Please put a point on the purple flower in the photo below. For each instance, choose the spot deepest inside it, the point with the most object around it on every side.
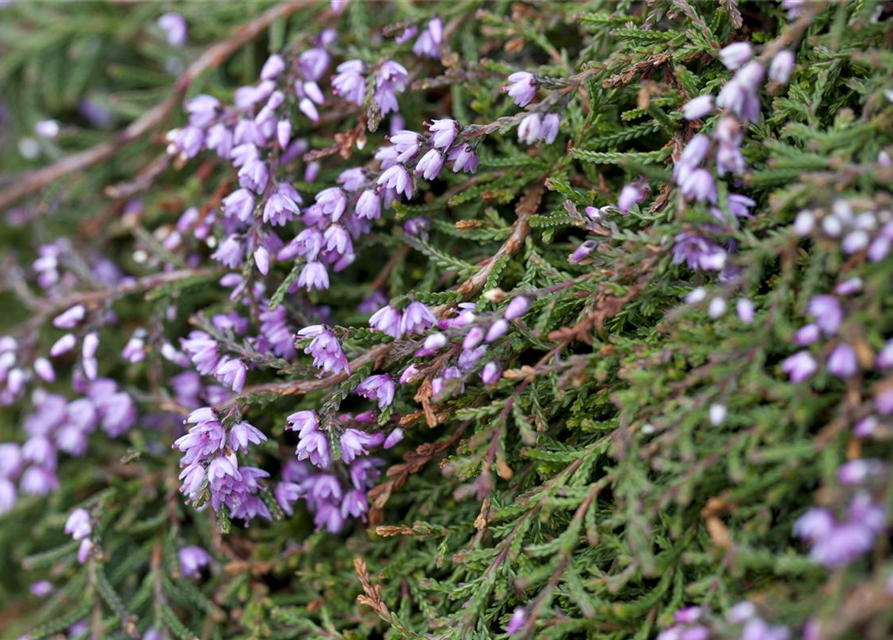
(230, 252)
(397, 178)
(282, 206)
(491, 372)
(497, 330)
(78, 525)
(202, 110)
(303, 422)
(333, 202)
(314, 276)
(758, 629)
(551, 125)
(84, 550)
(697, 108)
(736, 54)
(408, 34)
(516, 308)
(350, 83)
(44, 370)
(254, 175)
(521, 87)
(368, 205)
(814, 525)
(517, 621)
(220, 140)
(699, 185)
(885, 356)
(326, 351)
(239, 204)
(807, 334)
(409, 374)
(631, 194)
(174, 27)
(838, 543)
(231, 372)
(741, 612)
(530, 129)
(388, 321)
(827, 312)
(781, 67)
(879, 249)
(443, 132)
(380, 387)
(116, 408)
(406, 143)
(308, 244)
(849, 287)
(416, 319)
(729, 159)
(243, 154)
(687, 615)
(272, 67)
(464, 158)
(274, 328)
(857, 471)
(865, 427)
(740, 100)
(473, 338)
(390, 79)
(799, 366)
(313, 447)
(337, 240)
(47, 129)
(393, 438)
(70, 318)
(262, 260)
(855, 241)
(313, 63)
(355, 443)
(750, 76)
(430, 164)
(329, 515)
(428, 44)
(242, 433)
(793, 7)
(583, 251)
(41, 588)
(37, 481)
(432, 344)
(745, 310)
(842, 362)
(352, 179)
(283, 134)
(192, 559)
(355, 504)
(202, 350)
(739, 205)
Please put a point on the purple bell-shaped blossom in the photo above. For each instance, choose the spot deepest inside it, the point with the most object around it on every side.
(378, 387)
(416, 319)
(388, 321)
(521, 87)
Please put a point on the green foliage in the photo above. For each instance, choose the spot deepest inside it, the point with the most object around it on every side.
(588, 484)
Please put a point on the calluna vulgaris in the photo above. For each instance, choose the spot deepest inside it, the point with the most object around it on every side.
(447, 320)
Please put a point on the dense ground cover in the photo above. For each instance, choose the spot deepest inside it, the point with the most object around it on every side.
(446, 320)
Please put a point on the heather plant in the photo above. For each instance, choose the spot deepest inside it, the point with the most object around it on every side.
(446, 320)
